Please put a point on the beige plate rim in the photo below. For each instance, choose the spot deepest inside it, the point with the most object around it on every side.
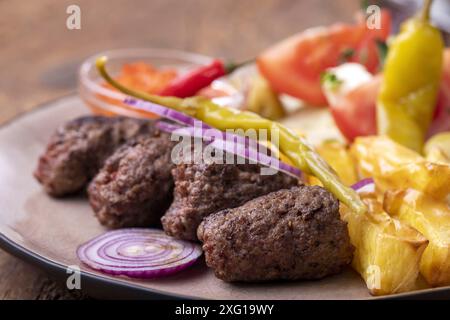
(104, 286)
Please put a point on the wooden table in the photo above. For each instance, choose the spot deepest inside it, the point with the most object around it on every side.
(40, 57)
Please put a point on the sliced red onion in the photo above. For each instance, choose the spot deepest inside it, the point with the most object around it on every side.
(181, 130)
(165, 112)
(188, 121)
(192, 122)
(168, 127)
(254, 155)
(364, 186)
(138, 253)
(234, 144)
(185, 120)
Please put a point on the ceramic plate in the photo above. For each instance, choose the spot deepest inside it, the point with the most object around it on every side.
(47, 231)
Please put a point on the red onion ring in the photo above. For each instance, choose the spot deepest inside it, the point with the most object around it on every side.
(164, 112)
(191, 122)
(231, 143)
(138, 253)
(365, 185)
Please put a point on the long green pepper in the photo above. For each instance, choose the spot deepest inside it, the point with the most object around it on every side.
(291, 145)
(411, 78)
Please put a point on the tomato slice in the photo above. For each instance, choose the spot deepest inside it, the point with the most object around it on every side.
(441, 121)
(366, 52)
(354, 113)
(295, 65)
(145, 77)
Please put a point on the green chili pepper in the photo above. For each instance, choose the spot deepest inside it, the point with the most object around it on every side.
(412, 74)
(294, 147)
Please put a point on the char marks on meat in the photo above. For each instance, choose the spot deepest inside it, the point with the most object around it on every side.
(135, 186)
(287, 234)
(78, 149)
(202, 189)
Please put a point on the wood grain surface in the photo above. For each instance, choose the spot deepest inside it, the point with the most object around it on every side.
(39, 58)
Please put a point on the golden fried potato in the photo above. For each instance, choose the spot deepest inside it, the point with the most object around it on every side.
(437, 148)
(432, 219)
(396, 167)
(437, 155)
(428, 177)
(387, 251)
(376, 155)
(338, 157)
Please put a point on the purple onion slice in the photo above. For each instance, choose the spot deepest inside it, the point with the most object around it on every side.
(191, 122)
(364, 186)
(164, 112)
(231, 143)
(138, 253)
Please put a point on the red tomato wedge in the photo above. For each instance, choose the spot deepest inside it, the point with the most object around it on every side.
(294, 66)
(366, 51)
(354, 113)
(441, 121)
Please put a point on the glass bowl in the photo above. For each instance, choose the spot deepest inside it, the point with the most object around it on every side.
(105, 101)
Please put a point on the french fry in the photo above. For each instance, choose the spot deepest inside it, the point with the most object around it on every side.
(437, 155)
(432, 219)
(338, 157)
(387, 251)
(437, 148)
(430, 178)
(376, 155)
(396, 167)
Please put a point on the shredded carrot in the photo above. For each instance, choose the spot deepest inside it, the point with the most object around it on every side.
(145, 77)
(140, 76)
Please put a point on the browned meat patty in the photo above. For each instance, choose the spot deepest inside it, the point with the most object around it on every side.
(202, 189)
(78, 149)
(287, 234)
(135, 186)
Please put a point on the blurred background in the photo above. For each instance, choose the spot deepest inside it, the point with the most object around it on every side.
(39, 56)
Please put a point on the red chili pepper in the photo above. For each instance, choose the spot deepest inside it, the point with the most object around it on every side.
(190, 83)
